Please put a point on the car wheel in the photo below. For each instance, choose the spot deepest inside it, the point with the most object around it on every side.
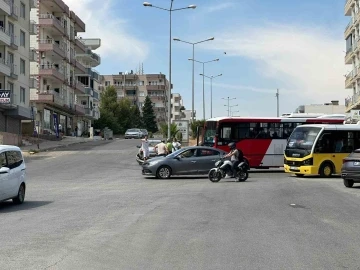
(348, 183)
(163, 172)
(19, 199)
(326, 170)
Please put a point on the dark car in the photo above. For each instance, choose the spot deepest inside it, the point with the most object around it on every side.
(350, 171)
(192, 160)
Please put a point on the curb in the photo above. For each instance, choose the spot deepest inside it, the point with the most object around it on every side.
(28, 153)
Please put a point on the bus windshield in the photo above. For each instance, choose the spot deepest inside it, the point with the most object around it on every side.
(209, 135)
(303, 138)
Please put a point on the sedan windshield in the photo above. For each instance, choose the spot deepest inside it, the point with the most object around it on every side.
(303, 138)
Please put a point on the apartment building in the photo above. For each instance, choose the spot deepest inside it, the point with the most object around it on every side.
(176, 106)
(14, 68)
(352, 57)
(136, 87)
(64, 88)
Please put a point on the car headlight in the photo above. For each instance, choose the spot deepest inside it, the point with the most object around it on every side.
(308, 161)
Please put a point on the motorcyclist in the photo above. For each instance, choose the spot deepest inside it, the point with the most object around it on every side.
(235, 155)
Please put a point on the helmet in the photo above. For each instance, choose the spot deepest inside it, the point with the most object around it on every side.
(232, 145)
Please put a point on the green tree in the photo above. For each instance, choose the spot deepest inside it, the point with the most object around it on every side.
(109, 108)
(194, 127)
(149, 119)
(136, 118)
(164, 130)
(124, 114)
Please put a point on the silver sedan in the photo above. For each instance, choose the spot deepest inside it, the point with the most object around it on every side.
(192, 160)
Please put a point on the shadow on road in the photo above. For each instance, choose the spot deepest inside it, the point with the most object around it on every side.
(8, 206)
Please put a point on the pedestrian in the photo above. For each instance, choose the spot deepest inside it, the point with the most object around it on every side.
(169, 146)
(145, 147)
(161, 148)
(175, 145)
(76, 131)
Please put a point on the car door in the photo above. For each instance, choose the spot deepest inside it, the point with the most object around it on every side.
(14, 162)
(207, 159)
(185, 162)
(3, 177)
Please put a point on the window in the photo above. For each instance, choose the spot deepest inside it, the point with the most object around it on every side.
(188, 153)
(22, 66)
(22, 38)
(22, 10)
(10, 86)
(22, 94)
(205, 152)
(107, 83)
(14, 159)
(3, 162)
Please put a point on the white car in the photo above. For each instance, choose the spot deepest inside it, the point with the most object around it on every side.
(12, 174)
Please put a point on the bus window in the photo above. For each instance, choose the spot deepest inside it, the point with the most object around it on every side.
(241, 131)
(225, 133)
(210, 132)
(276, 130)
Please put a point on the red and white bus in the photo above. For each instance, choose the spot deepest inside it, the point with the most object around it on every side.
(262, 140)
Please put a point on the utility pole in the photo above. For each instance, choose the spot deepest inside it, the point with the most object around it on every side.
(277, 102)
(228, 104)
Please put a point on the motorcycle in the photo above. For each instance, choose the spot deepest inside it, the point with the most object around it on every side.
(223, 167)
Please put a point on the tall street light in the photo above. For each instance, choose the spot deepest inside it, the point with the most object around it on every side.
(211, 77)
(193, 72)
(203, 63)
(170, 10)
(228, 103)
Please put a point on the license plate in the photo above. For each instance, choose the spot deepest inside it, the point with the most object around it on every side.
(356, 163)
(294, 168)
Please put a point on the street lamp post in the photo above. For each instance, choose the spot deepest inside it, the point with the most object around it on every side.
(228, 104)
(211, 78)
(203, 63)
(229, 108)
(232, 113)
(170, 10)
(193, 70)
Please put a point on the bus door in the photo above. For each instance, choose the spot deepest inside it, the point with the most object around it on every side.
(278, 144)
(324, 149)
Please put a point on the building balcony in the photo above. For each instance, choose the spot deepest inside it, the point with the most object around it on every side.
(33, 55)
(80, 68)
(5, 7)
(32, 28)
(155, 87)
(95, 74)
(79, 45)
(55, 5)
(14, 11)
(14, 44)
(49, 97)
(5, 67)
(72, 59)
(352, 103)
(80, 88)
(349, 79)
(92, 43)
(90, 58)
(79, 24)
(95, 95)
(349, 55)
(50, 21)
(79, 109)
(57, 51)
(155, 77)
(349, 28)
(89, 113)
(5, 38)
(51, 72)
(349, 4)
(33, 4)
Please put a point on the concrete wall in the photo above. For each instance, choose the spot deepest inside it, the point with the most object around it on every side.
(10, 138)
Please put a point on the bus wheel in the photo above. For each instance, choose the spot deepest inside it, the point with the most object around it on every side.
(326, 170)
(299, 174)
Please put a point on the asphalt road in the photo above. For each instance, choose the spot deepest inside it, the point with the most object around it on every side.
(89, 207)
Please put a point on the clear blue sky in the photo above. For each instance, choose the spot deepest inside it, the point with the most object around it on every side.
(296, 46)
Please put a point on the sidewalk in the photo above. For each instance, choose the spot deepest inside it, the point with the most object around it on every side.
(51, 145)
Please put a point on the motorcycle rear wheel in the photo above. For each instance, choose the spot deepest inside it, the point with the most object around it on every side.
(214, 176)
(242, 176)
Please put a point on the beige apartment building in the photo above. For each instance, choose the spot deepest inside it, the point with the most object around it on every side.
(64, 87)
(136, 87)
(14, 68)
(352, 57)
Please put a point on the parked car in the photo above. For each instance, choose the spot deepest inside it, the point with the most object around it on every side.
(192, 160)
(133, 133)
(144, 132)
(350, 170)
(12, 174)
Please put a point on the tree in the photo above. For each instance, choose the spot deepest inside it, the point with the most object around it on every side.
(149, 119)
(136, 118)
(164, 130)
(109, 108)
(194, 127)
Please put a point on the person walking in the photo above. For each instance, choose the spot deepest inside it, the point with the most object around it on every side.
(175, 145)
(169, 146)
(145, 147)
(161, 149)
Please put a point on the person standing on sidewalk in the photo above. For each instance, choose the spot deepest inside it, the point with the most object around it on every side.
(169, 146)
